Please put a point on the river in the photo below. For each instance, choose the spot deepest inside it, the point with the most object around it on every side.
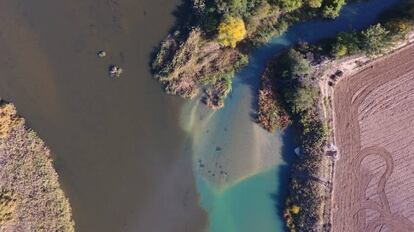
(128, 155)
(242, 171)
(116, 143)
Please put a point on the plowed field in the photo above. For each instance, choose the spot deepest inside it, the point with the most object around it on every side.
(374, 131)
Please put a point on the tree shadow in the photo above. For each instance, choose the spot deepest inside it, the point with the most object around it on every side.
(284, 173)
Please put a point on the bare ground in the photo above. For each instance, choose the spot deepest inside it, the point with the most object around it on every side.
(374, 131)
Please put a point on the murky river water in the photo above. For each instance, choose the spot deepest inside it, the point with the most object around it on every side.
(117, 143)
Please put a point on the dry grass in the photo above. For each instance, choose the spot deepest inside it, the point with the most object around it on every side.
(32, 199)
(198, 65)
(8, 119)
(7, 206)
(271, 114)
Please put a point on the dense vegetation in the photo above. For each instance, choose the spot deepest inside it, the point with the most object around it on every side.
(263, 18)
(213, 41)
(294, 81)
(393, 26)
(372, 41)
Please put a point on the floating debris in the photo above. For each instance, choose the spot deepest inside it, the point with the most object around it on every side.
(102, 54)
(115, 71)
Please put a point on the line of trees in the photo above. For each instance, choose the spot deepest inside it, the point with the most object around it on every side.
(261, 18)
(393, 26)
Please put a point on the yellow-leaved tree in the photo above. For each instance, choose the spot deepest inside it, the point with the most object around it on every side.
(231, 31)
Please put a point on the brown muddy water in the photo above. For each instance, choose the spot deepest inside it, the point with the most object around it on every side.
(117, 143)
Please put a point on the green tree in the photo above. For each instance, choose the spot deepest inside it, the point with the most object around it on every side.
(297, 64)
(314, 3)
(375, 39)
(347, 43)
(332, 8)
(290, 5)
(302, 99)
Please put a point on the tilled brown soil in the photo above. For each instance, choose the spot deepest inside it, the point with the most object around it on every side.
(374, 131)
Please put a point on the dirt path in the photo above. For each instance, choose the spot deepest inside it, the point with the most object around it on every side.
(374, 111)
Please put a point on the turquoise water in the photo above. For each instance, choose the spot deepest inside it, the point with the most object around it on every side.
(250, 198)
(244, 207)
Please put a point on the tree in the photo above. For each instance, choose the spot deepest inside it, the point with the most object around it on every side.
(332, 8)
(297, 64)
(290, 5)
(347, 43)
(375, 39)
(239, 6)
(398, 28)
(302, 99)
(314, 3)
(231, 31)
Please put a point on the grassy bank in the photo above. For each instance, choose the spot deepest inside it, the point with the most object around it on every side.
(212, 42)
(30, 195)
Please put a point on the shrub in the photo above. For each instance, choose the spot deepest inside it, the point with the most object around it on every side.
(8, 119)
(231, 31)
(7, 206)
(340, 50)
(295, 209)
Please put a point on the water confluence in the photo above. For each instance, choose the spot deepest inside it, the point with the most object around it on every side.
(241, 170)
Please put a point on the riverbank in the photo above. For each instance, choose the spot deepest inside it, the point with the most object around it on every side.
(309, 206)
(31, 198)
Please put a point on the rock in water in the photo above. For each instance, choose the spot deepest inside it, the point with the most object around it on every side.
(115, 71)
(102, 54)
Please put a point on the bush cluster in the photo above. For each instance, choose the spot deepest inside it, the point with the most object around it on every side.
(394, 26)
(372, 41)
